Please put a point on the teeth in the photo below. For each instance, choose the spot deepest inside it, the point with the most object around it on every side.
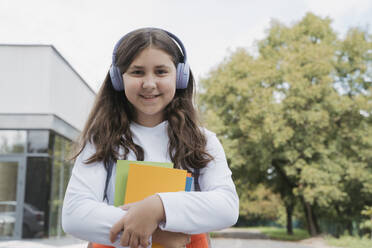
(148, 97)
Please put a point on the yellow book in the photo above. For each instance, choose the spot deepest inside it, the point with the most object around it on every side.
(146, 180)
(122, 168)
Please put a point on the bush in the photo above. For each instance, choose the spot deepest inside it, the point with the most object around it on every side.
(350, 241)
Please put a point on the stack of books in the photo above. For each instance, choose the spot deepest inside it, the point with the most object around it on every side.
(136, 180)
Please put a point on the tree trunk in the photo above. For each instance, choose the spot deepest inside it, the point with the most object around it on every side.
(310, 220)
(349, 226)
(289, 209)
(311, 228)
(315, 221)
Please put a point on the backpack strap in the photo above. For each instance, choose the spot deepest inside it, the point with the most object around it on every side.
(108, 168)
(196, 179)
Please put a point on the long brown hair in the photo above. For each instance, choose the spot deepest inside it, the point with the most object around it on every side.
(108, 123)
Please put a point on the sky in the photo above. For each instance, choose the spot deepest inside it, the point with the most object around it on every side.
(86, 31)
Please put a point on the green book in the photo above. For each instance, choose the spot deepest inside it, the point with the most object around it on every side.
(122, 169)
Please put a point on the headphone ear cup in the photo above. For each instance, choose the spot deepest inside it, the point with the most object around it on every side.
(116, 78)
(183, 74)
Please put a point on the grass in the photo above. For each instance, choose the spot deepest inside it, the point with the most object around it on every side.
(300, 234)
(349, 242)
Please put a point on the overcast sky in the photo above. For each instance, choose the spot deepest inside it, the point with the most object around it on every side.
(85, 31)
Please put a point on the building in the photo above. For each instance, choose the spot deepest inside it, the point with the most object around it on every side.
(44, 104)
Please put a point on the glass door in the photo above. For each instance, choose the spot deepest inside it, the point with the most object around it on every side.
(12, 181)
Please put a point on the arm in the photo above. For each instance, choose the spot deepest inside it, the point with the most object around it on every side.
(216, 207)
(84, 215)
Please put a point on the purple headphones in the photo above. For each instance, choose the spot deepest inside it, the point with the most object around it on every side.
(183, 69)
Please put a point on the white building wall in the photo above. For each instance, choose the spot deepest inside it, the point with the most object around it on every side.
(24, 86)
(37, 80)
(70, 98)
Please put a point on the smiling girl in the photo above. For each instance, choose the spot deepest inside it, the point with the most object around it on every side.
(144, 111)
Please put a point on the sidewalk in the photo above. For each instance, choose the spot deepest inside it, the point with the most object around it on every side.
(226, 234)
(64, 242)
(239, 233)
(71, 242)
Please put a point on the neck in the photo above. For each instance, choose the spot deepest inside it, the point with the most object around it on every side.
(149, 122)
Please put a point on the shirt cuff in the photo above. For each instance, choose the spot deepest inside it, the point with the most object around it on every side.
(168, 224)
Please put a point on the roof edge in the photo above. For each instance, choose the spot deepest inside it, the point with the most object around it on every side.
(60, 55)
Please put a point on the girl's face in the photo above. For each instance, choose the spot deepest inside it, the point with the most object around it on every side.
(150, 84)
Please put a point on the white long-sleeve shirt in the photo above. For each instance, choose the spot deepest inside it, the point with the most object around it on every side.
(86, 216)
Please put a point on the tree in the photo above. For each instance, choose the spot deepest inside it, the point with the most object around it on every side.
(367, 224)
(297, 117)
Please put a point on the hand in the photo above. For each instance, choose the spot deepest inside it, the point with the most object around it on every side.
(170, 239)
(90, 245)
(141, 220)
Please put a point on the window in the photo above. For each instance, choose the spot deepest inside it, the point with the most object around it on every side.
(60, 176)
(38, 141)
(12, 141)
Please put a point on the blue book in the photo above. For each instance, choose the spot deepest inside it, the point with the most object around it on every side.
(189, 181)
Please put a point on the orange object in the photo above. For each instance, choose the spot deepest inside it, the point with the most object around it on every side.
(95, 245)
(198, 241)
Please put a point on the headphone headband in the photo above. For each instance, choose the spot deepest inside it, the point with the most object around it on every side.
(174, 37)
(183, 71)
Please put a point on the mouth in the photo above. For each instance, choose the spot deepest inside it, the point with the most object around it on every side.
(149, 96)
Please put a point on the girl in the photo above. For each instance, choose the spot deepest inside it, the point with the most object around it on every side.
(144, 111)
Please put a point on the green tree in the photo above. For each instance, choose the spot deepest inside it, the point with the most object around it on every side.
(260, 203)
(297, 117)
(367, 224)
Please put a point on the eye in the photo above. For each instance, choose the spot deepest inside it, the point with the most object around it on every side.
(136, 72)
(161, 71)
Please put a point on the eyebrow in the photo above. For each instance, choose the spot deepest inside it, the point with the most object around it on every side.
(141, 67)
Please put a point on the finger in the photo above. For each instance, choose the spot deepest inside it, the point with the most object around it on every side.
(115, 229)
(134, 241)
(125, 238)
(126, 206)
(144, 240)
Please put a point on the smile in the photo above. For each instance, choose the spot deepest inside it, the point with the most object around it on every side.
(149, 96)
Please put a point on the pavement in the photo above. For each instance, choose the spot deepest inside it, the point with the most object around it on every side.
(256, 243)
(239, 233)
(64, 242)
(231, 238)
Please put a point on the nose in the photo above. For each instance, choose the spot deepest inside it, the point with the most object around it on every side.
(149, 82)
